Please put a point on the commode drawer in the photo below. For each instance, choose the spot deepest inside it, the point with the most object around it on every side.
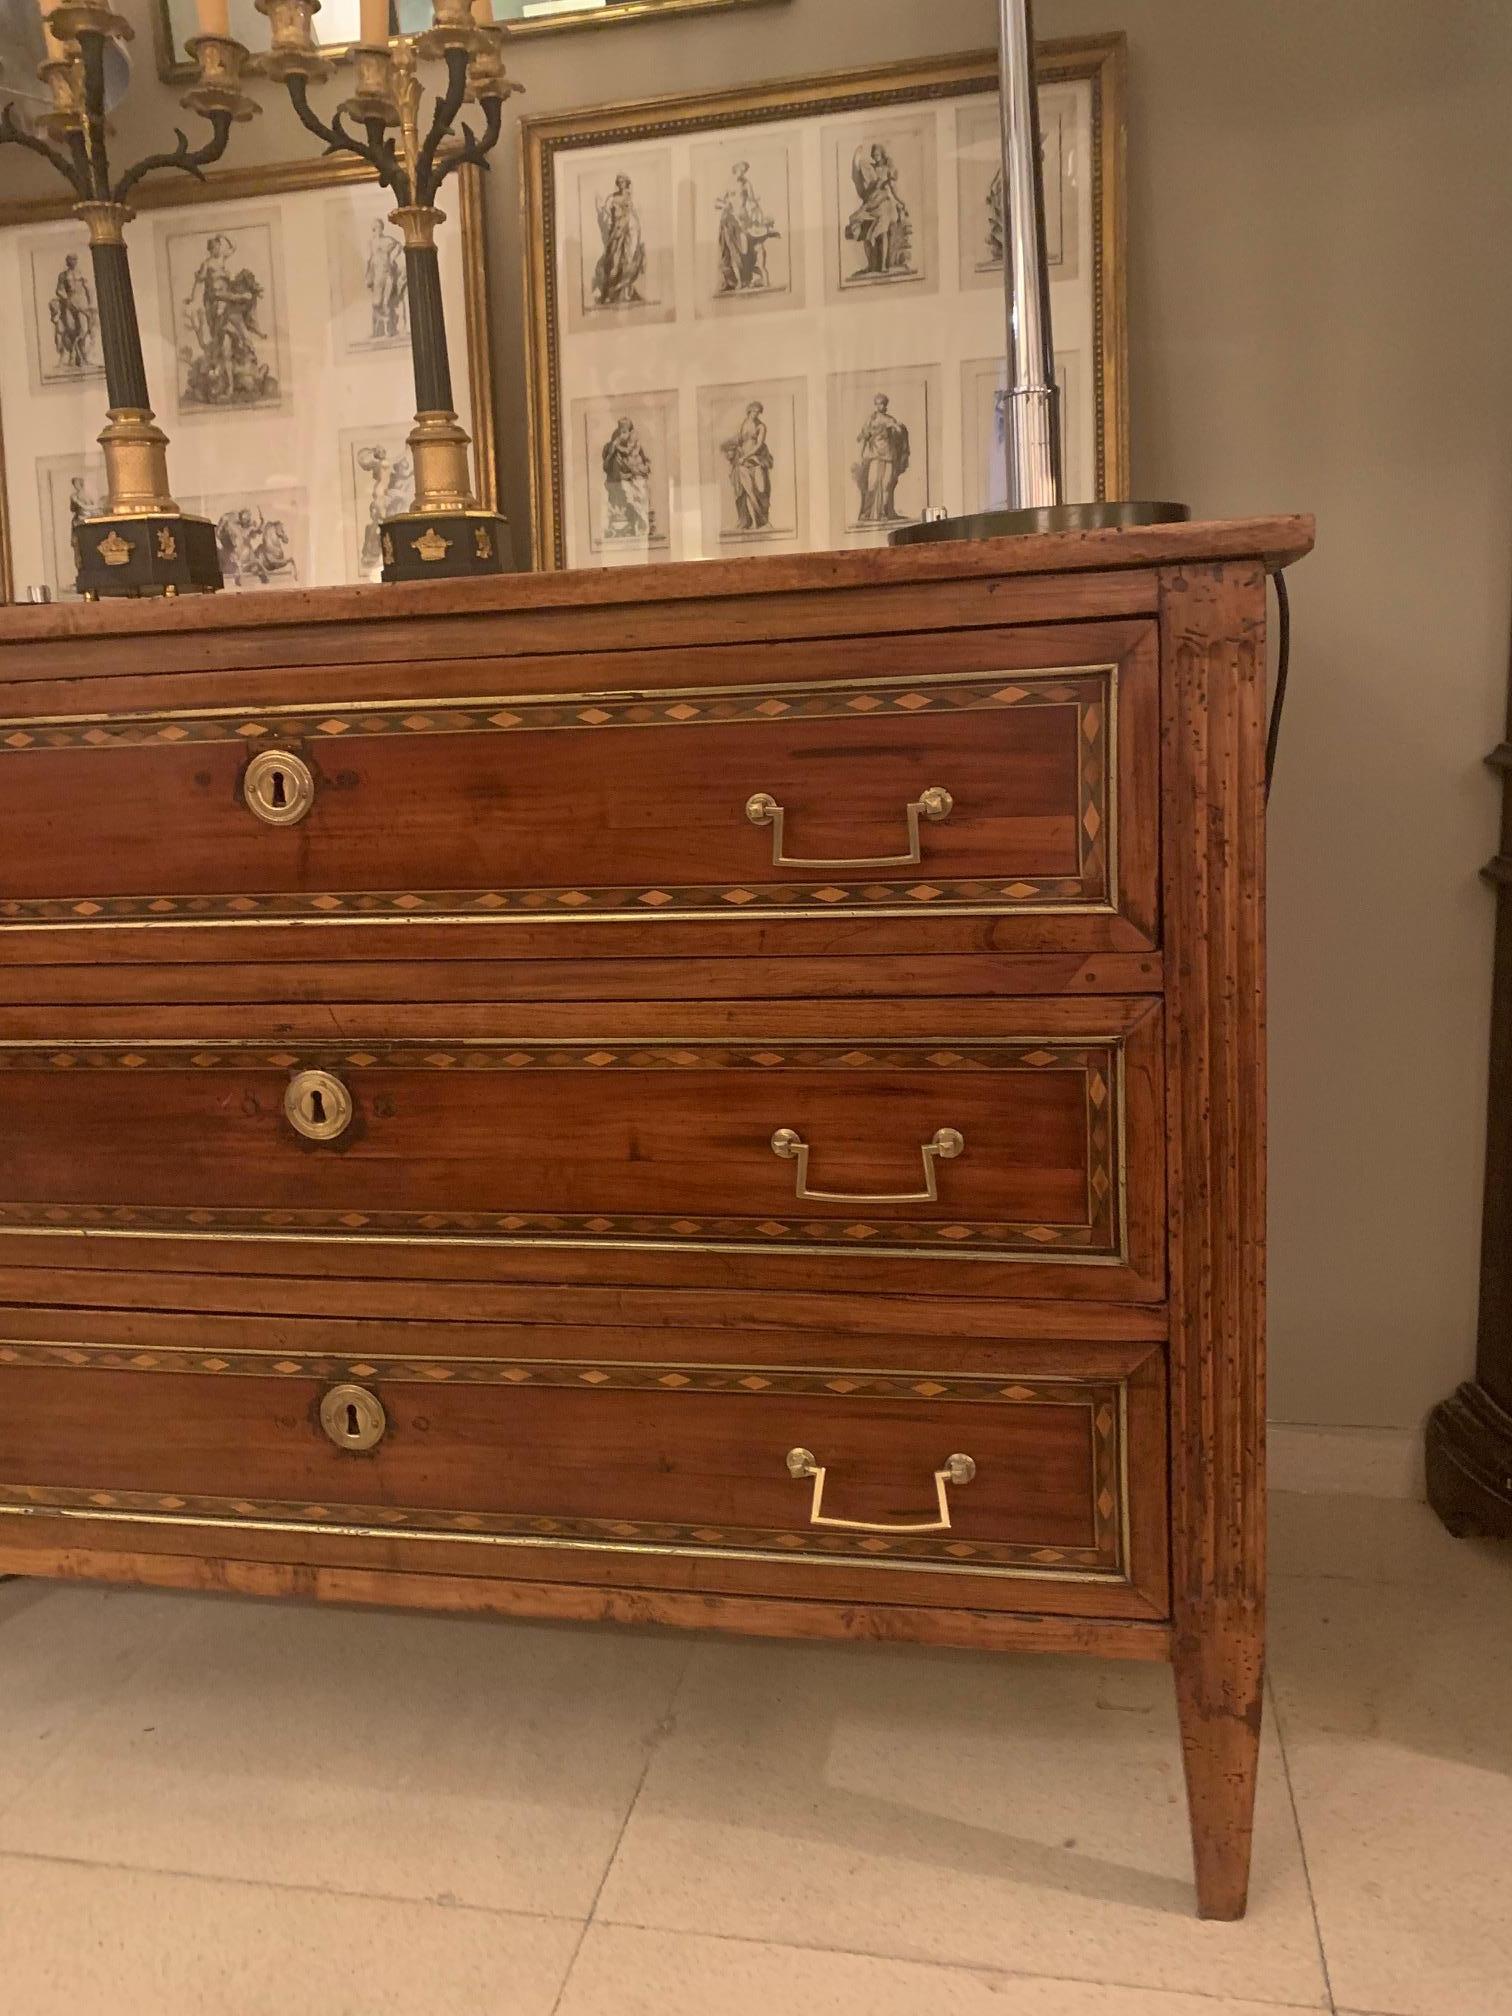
(1005, 1149)
(1037, 1488)
(925, 786)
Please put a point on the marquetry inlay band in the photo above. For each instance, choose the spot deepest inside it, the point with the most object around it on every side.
(1102, 1403)
(632, 1536)
(611, 1375)
(1089, 693)
(1099, 1238)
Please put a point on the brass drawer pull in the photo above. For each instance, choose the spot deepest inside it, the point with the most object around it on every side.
(318, 1105)
(279, 787)
(957, 1470)
(945, 1146)
(353, 1418)
(936, 803)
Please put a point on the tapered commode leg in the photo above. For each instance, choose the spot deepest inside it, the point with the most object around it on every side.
(1220, 1671)
(1213, 851)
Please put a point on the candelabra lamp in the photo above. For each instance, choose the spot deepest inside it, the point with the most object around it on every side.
(142, 543)
(446, 532)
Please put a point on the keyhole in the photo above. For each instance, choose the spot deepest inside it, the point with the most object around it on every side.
(352, 1428)
(315, 1112)
(279, 796)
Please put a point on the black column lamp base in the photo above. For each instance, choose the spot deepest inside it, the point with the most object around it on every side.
(445, 545)
(163, 553)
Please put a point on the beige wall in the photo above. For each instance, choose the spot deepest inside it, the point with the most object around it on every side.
(1320, 294)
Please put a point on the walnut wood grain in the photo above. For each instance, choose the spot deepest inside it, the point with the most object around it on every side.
(675, 593)
(1213, 788)
(764, 1616)
(344, 984)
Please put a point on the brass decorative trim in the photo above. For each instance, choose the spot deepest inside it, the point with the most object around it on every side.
(317, 1105)
(278, 787)
(955, 1470)
(943, 1146)
(1100, 1240)
(273, 1516)
(1091, 691)
(934, 803)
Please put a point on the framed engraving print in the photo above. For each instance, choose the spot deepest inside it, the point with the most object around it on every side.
(275, 325)
(772, 320)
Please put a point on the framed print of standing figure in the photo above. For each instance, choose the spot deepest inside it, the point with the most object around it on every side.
(772, 320)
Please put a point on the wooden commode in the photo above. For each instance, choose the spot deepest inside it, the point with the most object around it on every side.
(725, 1095)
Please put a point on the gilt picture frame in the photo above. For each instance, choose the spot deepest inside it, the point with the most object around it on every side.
(813, 271)
(271, 422)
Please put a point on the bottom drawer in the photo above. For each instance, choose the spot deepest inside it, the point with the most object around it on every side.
(1041, 1487)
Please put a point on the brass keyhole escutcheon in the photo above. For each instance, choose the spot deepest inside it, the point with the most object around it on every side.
(353, 1418)
(318, 1105)
(279, 787)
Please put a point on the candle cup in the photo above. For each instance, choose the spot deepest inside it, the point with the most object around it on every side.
(64, 77)
(486, 77)
(73, 18)
(374, 98)
(292, 51)
(453, 28)
(218, 87)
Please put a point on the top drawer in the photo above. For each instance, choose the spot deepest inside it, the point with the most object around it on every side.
(927, 787)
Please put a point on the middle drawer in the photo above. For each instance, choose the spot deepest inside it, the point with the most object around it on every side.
(987, 1149)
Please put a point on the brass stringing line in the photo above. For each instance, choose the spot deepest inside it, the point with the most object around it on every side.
(434, 1536)
(1050, 1256)
(313, 1045)
(634, 693)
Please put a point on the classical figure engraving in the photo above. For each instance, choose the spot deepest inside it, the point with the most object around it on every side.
(75, 317)
(883, 462)
(387, 284)
(391, 489)
(627, 485)
(223, 356)
(880, 224)
(622, 263)
(751, 463)
(745, 231)
(995, 226)
(82, 503)
(254, 550)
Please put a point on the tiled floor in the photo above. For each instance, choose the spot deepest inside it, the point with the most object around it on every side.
(214, 1808)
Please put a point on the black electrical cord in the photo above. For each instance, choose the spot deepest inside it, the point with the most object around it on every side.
(1283, 665)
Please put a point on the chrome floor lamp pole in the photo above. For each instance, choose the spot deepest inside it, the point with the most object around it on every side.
(1030, 408)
